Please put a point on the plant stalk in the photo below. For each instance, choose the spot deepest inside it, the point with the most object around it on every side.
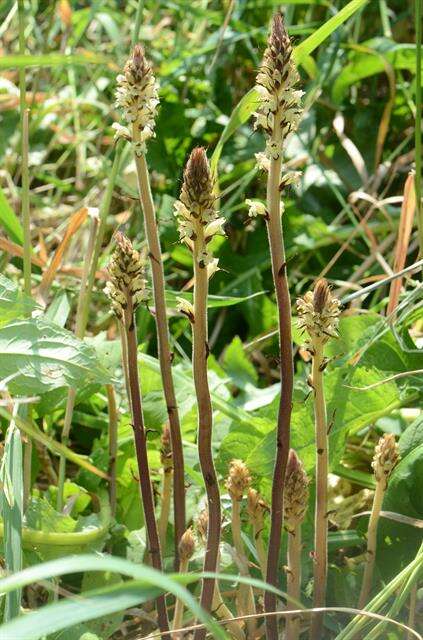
(277, 252)
(165, 506)
(322, 465)
(205, 425)
(165, 355)
(292, 629)
(371, 544)
(179, 605)
(142, 458)
(113, 445)
(246, 595)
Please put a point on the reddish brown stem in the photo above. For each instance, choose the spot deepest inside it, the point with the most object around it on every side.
(277, 252)
(205, 424)
(142, 458)
(165, 356)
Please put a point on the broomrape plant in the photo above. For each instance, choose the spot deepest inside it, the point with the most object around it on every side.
(237, 514)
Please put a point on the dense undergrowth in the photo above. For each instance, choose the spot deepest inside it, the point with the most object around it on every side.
(70, 476)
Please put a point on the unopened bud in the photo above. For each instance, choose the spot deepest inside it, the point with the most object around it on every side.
(238, 479)
(385, 458)
(296, 491)
(318, 313)
(187, 545)
(166, 450)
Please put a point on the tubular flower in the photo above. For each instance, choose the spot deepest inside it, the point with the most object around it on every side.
(386, 457)
(318, 313)
(127, 276)
(238, 480)
(137, 96)
(296, 491)
(198, 220)
(279, 109)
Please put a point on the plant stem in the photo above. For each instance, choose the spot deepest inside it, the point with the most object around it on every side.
(418, 123)
(113, 429)
(292, 629)
(79, 332)
(179, 605)
(246, 595)
(221, 611)
(412, 610)
(320, 518)
(205, 425)
(165, 506)
(142, 458)
(165, 356)
(371, 544)
(277, 252)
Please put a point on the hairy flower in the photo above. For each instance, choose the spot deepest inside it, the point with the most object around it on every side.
(198, 220)
(256, 208)
(279, 109)
(127, 277)
(386, 457)
(238, 479)
(137, 95)
(318, 313)
(185, 307)
(296, 491)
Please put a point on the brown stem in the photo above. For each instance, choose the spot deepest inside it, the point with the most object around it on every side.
(246, 595)
(142, 459)
(113, 427)
(165, 356)
(165, 506)
(320, 519)
(277, 252)
(292, 629)
(205, 425)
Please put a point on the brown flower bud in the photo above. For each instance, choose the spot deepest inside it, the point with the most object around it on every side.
(296, 491)
(166, 457)
(187, 545)
(238, 479)
(385, 458)
(256, 507)
(318, 313)
(202, 524)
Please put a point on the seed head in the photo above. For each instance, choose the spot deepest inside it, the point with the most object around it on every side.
(198, 220)
(166, 457)
(238, 479)
(187, 545)
(137, 95)
(279, 108)
(127, 276)
(385, 458)
(318, 313)
(296, 491)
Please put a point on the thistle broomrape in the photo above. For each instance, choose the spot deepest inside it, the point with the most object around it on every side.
(296, 492)
(127, 277)
(238, 480)
(318, 313)
(198, 220)
(137, 96)
(386, 457)
(187, 545)
(279, 110)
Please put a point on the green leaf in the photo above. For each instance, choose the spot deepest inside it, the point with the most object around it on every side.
(237, 365)
(13, 303)
(213, 302)
(51, 60)
(364, 64)
(37, 356)
(146, 584)
(11, 507)
(9, 219)
(412, 437)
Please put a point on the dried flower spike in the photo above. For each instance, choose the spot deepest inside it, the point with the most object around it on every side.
(127, 277)
(296, 492)
(137, 95)
(238, 480)
(385, 458)
(198, 220)
(318, 313)
(279, 109)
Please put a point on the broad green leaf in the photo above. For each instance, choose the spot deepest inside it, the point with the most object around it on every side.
(364, 64)
(237, 365)
(213, 302)
(37, 356)
(412, 437)
(248, 103)
(9, 219)
(105, 626)
(17, 61)
(13, 303)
